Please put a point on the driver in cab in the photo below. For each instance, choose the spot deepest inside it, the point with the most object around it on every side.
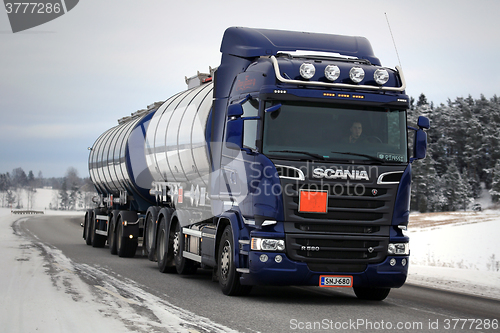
(355, 130)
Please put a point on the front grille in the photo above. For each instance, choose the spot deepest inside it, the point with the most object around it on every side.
(365, 205)
(354, 231)
(336, 249)
(334, 228)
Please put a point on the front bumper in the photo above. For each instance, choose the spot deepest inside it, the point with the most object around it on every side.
(288, 272)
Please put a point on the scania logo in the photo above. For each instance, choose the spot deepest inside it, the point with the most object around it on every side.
(340, 174)
(310, 248)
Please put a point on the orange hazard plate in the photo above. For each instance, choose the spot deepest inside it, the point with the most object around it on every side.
(313, 201)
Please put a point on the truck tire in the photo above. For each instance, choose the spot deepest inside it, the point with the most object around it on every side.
(88, 228)
(183, 265)
(125, 247)
(164, 251)
(150, 232)
(112, 233)
(229, 279)
(371, 294)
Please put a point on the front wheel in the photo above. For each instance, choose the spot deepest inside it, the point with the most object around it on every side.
(372, 294)
(229, 279)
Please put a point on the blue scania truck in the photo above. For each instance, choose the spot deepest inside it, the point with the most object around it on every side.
(288, 164)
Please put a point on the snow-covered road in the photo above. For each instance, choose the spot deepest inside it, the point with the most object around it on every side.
(44, 291)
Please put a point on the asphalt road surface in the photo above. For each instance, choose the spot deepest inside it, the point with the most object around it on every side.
(135, 292)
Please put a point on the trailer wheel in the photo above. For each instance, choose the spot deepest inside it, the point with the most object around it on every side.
(88, 229)
(150, 233)
(164, 251)
(372, 294)
(125, 247)
(112, 234)
(183, 265)
(229, 279)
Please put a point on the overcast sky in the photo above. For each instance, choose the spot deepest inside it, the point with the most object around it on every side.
(65, 82)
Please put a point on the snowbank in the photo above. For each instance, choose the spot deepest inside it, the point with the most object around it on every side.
(30, 302)
(456, 251)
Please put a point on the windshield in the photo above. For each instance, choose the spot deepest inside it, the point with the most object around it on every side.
(326, 132)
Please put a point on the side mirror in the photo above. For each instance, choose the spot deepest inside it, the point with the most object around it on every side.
(420, 141)
(273, 108)
(420, 145)
(234, 133)
(423, 122)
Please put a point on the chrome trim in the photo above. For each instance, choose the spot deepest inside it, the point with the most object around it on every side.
(190, 232)
(248, 221)
(338, 85)
(243, 270)
(244, 241)
(191, 256)
(207, 235)
(268, 222)
(101, 232)
(379, 179)
(301, 174)
(101, 217)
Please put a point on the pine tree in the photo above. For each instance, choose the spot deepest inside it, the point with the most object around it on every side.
(495, 184)
(63, 196)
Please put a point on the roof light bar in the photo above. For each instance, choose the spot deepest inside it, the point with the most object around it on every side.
(336, 85)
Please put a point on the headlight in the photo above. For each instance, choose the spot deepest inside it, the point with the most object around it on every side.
(332, 72)
(398, 249)
(307, 70)
(357, 74)
(267, 244)
(381, 76)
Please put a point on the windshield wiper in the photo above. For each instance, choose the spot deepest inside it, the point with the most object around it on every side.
(317, 156)
(373, 158)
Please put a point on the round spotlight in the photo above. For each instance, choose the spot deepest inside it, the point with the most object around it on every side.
(403, 262)
(263, 257)
(357, 74)
(307, 70)
(381, 76)
(278, 259)
(332, 72)
(392, 262)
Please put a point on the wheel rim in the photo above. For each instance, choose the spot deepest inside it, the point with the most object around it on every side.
(175, 243)
(225, 260)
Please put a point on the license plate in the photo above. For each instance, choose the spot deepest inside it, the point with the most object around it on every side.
(335, 281)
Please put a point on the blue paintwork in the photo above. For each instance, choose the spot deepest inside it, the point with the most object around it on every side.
(290, 272)
(248, 43)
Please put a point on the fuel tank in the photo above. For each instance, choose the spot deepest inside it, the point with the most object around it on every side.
(165, 144)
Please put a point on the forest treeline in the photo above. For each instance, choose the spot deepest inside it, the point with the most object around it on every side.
(463, 154)
(71, 188)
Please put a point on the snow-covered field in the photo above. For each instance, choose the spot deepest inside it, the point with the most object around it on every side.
(457, 251)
